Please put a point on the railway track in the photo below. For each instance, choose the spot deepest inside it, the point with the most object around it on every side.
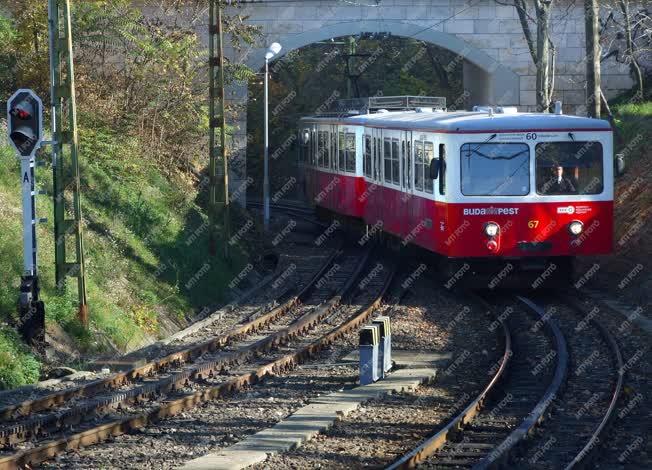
(14, 429)
(289, 208)
(295, 271)
(627, 445)
(477, 436)
(223, 368)
(524, 390)
(592, 388)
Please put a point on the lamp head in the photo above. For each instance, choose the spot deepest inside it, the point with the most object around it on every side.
(275, 48)
(272, 50)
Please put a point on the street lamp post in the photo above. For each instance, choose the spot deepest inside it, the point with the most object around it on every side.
(273, 49)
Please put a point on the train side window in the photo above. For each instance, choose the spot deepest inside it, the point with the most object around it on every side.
(321, 142)
(442, 169)
(387, 159)
(327, 148)
(302, 148)
(350, 152)
(396, 175)
(378, 160)
(418, 165)
(367, 156)
(404, 163)
(341, 151)
(408, 163)
(428, 155)
(332, 152)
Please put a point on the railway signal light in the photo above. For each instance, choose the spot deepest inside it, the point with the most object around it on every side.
(25, 127)
(25, 122)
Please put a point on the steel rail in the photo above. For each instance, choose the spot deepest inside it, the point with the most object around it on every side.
(303, 213)
(170, 408)
(19, 432)
(428, 447)
(618, 388)
(285, 207)
(502, 451)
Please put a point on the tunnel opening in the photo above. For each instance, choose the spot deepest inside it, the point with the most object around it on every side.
(311, 78)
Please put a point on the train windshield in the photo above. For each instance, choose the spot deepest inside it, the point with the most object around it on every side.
(501, 169)
(569, 168)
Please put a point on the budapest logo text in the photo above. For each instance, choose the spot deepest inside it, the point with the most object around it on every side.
(491, 211)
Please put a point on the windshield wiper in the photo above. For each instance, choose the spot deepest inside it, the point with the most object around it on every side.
(511, 157)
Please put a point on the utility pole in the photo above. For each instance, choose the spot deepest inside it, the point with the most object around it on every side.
(349, 67)
(65, 156)
(217, 120)
(352, 87)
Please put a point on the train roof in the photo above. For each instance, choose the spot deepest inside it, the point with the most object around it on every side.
(469, 121)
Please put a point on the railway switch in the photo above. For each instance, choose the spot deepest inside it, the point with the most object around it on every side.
(369, 349)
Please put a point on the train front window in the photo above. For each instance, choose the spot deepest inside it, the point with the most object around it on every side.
(350, 152)
(565, 168)
(490, 169)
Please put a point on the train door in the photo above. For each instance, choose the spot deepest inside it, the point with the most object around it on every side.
(375, 190)
(424, 196)
(427, 213)
(332, 166)
(367, 172)
(313, 161)
(407, 189)
(303, 169)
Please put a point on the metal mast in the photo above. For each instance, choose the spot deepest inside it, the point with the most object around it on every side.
(65, 158)
(217, 120)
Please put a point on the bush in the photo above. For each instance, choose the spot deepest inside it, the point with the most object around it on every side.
(17, 366)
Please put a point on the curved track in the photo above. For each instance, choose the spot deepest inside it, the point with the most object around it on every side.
(477, 439)
(580, 418)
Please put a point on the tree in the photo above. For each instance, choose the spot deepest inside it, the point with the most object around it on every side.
(631, 47)
(144, 74)
(593, 51)
(541, 47)
(625, 33)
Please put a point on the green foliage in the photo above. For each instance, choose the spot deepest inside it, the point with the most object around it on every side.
(7, 58)
(145, 76)
(146, 244)
(634, 121)
(17, 365)
(141, 95)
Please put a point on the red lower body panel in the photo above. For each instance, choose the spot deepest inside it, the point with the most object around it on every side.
(536, 229)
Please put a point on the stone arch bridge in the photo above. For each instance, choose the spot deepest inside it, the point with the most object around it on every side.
(486, 36)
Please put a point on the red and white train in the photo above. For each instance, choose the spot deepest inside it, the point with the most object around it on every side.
(487, 188)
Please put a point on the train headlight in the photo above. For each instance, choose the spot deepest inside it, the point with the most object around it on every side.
(575, 227)
(491, 229)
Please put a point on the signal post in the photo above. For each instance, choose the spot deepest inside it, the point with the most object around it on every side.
(25, 127)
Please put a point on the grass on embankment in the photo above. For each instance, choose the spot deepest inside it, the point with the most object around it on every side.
(634, 121)
(633, 198)
(145, 245)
